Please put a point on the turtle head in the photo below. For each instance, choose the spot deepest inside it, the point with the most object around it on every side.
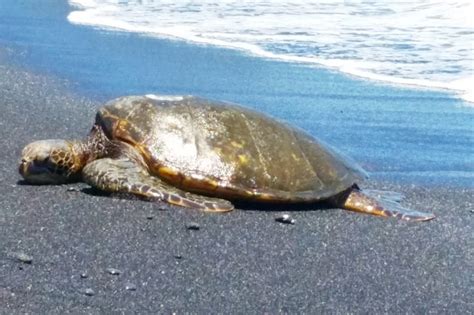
(51, 162)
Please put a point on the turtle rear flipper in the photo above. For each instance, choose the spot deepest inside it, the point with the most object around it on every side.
(357, 200)
(126, 176)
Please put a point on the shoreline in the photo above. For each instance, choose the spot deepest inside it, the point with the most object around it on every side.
(330, 260)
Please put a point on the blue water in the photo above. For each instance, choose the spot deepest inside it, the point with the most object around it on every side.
(424, 43)
(412, 136)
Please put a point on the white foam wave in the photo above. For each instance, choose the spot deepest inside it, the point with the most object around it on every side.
(426, 43)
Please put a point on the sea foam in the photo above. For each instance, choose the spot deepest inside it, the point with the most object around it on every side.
(424, 43)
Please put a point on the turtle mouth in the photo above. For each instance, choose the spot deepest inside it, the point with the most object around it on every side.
(32, 168)
(37, 173)
(23, 169)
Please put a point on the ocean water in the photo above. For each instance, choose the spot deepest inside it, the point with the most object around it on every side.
(427, 43)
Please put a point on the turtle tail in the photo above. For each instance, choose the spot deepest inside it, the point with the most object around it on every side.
(358, 200)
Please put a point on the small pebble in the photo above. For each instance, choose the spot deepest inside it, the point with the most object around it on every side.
(149, 217)
(72, 189)
(130, 287)
(113, 271)
(285, 218)
(22, 257)
(89, 292)
(193, 226)
(178, 256)
(84, 275)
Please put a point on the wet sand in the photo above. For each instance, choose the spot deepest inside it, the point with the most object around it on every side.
(330, 260)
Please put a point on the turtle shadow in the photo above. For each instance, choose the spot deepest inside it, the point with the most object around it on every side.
(22, 182)
(241, 205)
(279, 207)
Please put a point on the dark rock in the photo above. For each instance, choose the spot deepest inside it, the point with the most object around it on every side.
(193, 226)
(89, 292)
(285, 218)
(113, 271)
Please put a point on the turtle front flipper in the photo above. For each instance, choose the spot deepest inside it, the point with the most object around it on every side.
(357, 200)
(126, 176)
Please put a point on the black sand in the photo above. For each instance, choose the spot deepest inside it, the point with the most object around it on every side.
(330, 261)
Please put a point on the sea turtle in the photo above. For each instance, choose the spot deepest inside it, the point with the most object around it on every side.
(199, 153)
